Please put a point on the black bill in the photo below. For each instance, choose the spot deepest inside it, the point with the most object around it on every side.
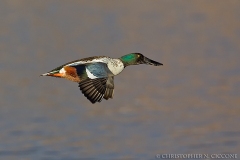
(151, 62)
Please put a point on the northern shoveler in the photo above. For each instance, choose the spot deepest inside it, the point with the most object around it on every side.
(95, 74)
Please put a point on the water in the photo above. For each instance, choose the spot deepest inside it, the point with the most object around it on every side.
(188, 105)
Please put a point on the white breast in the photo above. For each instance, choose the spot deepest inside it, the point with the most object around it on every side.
(115, 66)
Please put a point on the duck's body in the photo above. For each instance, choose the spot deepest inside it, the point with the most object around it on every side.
(95, 74)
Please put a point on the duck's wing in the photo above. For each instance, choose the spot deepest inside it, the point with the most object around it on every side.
(97, 89)
(97, 70)
(93, 89)
(109, 88)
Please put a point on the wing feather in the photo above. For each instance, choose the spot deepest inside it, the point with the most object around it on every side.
(97, 89)
(109, 88)
(93, 89)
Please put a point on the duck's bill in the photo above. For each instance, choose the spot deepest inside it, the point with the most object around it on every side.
(151, 62)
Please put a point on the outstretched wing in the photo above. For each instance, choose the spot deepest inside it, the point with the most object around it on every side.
(96, 89)
(109, 88)
(93, 89)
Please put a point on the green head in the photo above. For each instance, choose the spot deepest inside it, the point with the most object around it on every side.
(137, 58)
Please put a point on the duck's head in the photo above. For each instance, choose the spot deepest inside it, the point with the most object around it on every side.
(137, 58)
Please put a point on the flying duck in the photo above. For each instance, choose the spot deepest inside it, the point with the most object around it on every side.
(95, 75)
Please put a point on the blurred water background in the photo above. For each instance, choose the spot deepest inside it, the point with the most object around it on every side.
(191, 104)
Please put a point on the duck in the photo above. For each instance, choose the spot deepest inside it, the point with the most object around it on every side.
(95, 75)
